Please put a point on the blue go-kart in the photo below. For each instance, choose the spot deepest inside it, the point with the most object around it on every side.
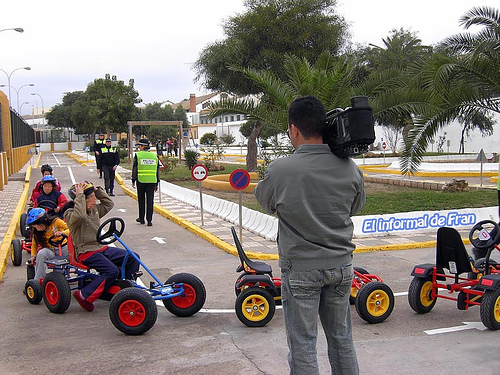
(133, 308)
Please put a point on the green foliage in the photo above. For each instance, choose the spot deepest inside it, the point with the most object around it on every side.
(208, 139)
(112, 103)
(191, 157)
(169, 163)
(214, 153)
(227, 139)
(261, 36)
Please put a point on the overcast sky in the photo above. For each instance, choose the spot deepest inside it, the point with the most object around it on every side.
(69, 43)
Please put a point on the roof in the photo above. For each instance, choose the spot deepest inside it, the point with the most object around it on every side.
(199, 99)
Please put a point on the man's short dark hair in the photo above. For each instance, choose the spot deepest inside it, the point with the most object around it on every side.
(309, 115)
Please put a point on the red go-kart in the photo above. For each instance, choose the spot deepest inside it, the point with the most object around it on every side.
(258, 292)
(456, 276)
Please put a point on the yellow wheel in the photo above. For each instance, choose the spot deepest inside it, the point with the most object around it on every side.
(375, 302)
(490, 309)
(255, 307)
(420, 295)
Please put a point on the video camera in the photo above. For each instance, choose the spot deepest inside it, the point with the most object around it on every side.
(349, 132)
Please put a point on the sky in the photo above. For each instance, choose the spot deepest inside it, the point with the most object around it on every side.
(68, 44)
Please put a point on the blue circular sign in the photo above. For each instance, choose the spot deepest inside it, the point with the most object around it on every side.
(239, 179)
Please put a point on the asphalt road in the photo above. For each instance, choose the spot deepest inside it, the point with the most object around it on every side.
(214, 341)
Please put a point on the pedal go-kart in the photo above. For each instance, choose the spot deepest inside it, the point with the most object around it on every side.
(258, 292)
(133, 308)
(455, 276)
(32, 287)
(18, 245)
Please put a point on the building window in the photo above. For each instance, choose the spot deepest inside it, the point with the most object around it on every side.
(238, 117)
(232, 118)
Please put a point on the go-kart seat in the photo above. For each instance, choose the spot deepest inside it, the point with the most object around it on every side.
(72, 256)
(451, 253)
(259, 267)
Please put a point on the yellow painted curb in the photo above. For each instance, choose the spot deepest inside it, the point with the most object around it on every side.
(10, 233)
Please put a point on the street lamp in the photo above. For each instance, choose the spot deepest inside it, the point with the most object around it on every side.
(43, 107)
(18, 29)
(20, 108)
(10, 75)
(17, 92)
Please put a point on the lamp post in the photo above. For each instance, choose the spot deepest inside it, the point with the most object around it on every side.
(10, 75)
(20, 108)
(17, 93)
(43, 107)
(18, 29)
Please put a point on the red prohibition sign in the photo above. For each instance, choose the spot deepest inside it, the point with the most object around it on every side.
(239, 179)
(199, 172)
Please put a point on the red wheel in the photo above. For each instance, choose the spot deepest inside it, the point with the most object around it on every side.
(56, 292)
(189, 302)
(187, 299)
(133, 311)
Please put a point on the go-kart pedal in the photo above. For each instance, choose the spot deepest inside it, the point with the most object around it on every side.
(137, 274)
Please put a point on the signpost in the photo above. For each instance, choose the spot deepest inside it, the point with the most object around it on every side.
(384, 146)
(199, 172)
(161, 166)
(239, 180)
(481, 157)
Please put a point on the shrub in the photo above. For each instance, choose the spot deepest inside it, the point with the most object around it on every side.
(191, 157)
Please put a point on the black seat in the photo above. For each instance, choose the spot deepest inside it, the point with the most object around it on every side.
(259, 267)
(451, 253)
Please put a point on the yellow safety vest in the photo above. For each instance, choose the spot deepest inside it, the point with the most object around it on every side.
(147, 164)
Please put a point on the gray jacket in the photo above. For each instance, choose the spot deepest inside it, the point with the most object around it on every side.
(314, 194)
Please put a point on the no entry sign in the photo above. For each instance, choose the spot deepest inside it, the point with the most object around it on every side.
(239, 179)
(199, 172)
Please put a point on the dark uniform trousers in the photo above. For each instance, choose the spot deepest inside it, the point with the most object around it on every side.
(145, 197)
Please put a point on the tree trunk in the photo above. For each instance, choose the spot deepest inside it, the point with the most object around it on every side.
(252, 147)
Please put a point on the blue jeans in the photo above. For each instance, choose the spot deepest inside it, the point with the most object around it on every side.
(305, 294)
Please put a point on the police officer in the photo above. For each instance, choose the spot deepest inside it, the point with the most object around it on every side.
(145, 171)
(109, 160)
(98, 144)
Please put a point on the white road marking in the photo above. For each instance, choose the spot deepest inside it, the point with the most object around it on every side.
(71, 176)
(468, 325)
(57, 160)
(158, 239)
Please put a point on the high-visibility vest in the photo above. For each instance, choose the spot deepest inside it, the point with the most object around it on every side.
(110, 150)
(147, 164)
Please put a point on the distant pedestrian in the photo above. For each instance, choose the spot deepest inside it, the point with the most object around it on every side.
(159, 148)
(98, 144)
(109, 160)
(169, 147)
(175, 146)
(146, 173)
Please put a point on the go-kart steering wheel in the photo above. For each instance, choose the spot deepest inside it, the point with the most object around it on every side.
(482, 238)
(47, 204)
(108, 236)
(52, 240)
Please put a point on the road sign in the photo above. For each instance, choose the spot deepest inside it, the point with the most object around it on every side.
(239, 179)
(384, 145)
(199, 172)
(162, 166)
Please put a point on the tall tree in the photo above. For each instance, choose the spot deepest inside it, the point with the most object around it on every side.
(259, 38)
(462, 83)
(112, 103)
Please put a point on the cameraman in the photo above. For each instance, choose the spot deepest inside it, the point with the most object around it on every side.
(314, 194)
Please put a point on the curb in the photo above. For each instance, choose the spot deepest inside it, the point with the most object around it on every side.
(10, 233)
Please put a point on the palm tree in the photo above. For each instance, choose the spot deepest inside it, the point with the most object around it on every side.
(462, 82)
(330, 79)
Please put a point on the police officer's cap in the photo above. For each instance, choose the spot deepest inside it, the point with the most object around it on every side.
(143, 142)
(108, 139)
